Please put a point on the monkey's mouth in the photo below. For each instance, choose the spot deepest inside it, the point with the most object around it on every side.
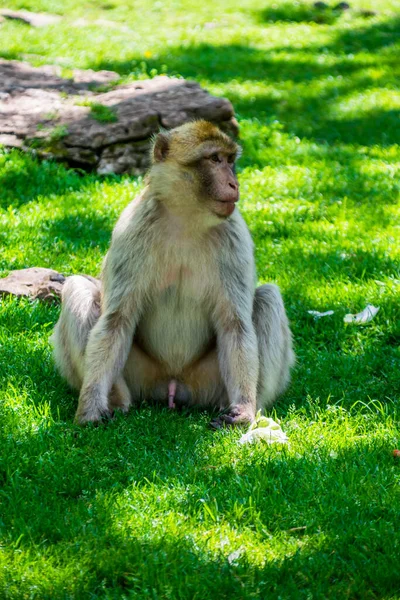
(225, 207)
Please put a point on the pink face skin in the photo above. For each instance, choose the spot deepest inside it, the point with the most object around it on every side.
(220, 183)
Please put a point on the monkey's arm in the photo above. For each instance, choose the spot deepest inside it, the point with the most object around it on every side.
(125, 284)
(238, 359)
(233, 321)
(107, 350)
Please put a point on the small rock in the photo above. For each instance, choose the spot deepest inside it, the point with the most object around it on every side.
(30, 18)
(112, 24)
(321, 5)
(11, 141)
(35, 282)
(211, 25)
(82, 22)
(368, 13)
(118, 158)
(342, 6)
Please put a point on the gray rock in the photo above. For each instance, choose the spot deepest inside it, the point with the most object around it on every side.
(16, 76)
(109, 131)
(120, 158)
(30, 18)
(11, 141)
(35, 282)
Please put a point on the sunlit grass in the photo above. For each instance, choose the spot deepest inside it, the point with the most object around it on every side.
(154, 505)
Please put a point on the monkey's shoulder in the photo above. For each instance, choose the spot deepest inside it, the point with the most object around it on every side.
(137, 219)
(235, 233)
(234, 241)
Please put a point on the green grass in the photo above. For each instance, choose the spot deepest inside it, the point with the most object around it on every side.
(99, 112)
(155, 505)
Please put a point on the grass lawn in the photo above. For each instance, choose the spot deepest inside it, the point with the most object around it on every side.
(155, 505)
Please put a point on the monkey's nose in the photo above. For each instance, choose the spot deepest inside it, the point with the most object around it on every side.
(233, 186)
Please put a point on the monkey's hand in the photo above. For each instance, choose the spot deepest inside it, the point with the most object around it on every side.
(91, 409)
(242, 414)
(92, 415)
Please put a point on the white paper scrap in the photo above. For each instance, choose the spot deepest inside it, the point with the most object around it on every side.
(317, 314)
(364, 316)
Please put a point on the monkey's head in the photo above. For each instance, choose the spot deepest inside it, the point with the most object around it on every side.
(194, 167)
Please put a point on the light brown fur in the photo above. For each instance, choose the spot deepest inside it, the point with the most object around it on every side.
(178, 298)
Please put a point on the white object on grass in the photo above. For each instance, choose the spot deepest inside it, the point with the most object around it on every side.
(364, 316)
(317, 314)
(264, 429)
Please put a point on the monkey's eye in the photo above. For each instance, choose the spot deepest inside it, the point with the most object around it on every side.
(215, 157)
(231, 158)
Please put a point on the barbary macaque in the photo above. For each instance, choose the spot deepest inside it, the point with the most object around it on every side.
(176, 317)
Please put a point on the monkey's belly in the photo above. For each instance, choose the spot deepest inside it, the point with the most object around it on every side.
(176, 334)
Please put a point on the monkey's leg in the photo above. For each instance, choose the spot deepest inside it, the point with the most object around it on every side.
(276, 355)
(80, 311)
(120, 396)
(204, 384)
(200, 384)
(145, 376)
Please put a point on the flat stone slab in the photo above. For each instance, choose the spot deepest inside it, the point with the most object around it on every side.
(107, 131)
(30, 18)
(17, 76)
(35, 282)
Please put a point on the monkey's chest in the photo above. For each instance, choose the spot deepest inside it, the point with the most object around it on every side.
(176, 327)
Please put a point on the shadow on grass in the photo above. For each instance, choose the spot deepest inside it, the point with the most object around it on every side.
(321, 266)
(82, 230)
(97, 485)
(309, 117)
(222, 63)
(304, 112)
(337, 567)
(228, 62)
(298, 12)
(328, 568)
(370, 38)
(377, 127)
(24, 178)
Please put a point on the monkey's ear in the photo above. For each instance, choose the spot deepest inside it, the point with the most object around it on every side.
(160, 147)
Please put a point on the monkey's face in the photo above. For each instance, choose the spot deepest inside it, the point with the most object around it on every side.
(194, 167)
(219, 187)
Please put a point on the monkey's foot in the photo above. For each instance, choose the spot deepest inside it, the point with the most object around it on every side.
(171, 394)
(120, 396)
(238, 415)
